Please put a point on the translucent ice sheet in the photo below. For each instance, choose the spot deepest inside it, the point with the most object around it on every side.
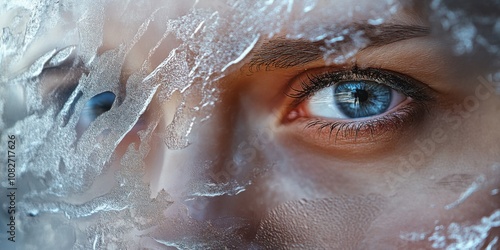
(114, 108)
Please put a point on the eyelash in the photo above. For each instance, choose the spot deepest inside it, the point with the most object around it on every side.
(408, 114)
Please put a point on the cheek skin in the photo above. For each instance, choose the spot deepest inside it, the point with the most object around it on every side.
(358, 148)
(449, 167)
(455, 165)
(333, 223)
(420, 210)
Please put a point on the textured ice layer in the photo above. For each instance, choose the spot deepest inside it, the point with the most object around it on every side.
(474, 26)
(457, 236)
(73, 184)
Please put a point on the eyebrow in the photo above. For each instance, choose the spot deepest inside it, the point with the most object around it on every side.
(284, 53)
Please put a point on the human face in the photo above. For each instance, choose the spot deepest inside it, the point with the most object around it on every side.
(335, 126)
(401, 178)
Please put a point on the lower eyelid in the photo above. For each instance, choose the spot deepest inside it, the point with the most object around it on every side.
(359, 136)
(358, 129)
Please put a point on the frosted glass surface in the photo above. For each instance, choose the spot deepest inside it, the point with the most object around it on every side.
(125, 138)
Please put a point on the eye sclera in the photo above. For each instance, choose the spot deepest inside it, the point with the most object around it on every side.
(301, 111)
(330, 103)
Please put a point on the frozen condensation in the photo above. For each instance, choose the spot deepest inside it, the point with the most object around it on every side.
(81, 184)
(474, 27)
(475, 186)
(495, 191)
(457, 236)
(413, 236)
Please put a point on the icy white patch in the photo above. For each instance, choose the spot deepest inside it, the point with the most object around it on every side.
(310, 4)
(243, 54)
(457, 237)
(470, 26)
(465, 39)
(495, 191)
(377, 21)
(412, 236)
(437, 238)
(61, 56)
(472, 189)
(493, 244)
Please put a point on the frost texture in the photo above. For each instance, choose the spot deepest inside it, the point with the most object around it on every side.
(59, 193)
(458, 236)
(83, 189)
(474, 25)
(59, 163)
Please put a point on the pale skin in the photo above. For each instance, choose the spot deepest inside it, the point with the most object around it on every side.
(364, 190)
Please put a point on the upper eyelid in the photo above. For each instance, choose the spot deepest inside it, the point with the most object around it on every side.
(415, 89)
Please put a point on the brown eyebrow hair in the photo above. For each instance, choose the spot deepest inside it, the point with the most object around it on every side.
(284, 53)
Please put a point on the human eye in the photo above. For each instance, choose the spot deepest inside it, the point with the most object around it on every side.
(356, 105)
(96, 106)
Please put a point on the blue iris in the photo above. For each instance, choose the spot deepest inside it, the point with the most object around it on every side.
(357, 99)
(96, 106)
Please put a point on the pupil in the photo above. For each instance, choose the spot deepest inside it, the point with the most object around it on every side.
(361, 95)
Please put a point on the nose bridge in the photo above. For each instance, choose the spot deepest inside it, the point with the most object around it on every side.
(211, 177)
(227, 145)
(209, 143)
(220, 139)
(239, 141)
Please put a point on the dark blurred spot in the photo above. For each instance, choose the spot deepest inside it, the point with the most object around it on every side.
(96, 106)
